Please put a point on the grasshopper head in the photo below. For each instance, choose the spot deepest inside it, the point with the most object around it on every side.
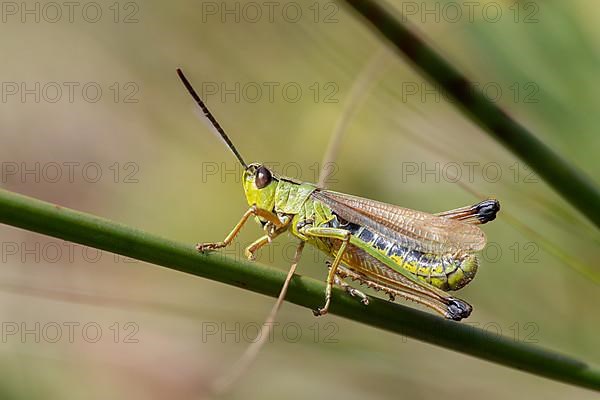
(259, 186)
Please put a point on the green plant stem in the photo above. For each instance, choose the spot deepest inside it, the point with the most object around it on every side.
(567, 180)
(53, 220)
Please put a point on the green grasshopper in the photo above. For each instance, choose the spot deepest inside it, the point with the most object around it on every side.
(402, 252)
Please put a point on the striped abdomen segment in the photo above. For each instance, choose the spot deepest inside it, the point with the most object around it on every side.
(446, 272)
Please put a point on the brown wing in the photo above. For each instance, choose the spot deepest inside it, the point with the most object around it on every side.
(409, 228)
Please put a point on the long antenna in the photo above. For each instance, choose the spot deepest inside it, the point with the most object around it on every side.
(210, 117)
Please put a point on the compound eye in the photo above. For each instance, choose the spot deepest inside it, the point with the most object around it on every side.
(263, 177)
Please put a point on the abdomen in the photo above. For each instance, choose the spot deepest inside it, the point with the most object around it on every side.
(446, 272)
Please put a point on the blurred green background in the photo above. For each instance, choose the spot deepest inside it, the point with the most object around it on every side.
(127, 144)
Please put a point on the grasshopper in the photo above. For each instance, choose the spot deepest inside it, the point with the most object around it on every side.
(402, 252)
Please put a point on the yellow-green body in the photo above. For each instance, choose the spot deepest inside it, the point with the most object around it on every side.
(361, 261)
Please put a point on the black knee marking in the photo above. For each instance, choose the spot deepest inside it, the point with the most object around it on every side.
(458, 309)
(487, 210)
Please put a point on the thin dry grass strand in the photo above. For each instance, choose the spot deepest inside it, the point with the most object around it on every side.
(226, 382)
(364, 82)
(361, 86)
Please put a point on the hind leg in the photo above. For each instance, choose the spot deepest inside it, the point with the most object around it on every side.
(351, 291)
